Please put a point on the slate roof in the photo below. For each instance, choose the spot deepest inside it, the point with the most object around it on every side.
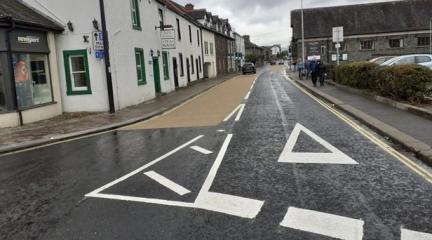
(24, 15)
(373, 18)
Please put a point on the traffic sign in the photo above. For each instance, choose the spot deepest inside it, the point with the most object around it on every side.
(98, 41)
(338, 34)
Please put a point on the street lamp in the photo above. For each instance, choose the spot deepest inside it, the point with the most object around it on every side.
(302, 26)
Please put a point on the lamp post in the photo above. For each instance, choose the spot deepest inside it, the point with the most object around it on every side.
(302, 26)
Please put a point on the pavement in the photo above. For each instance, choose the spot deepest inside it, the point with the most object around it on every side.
(281, 165)
(64, 127)
(405, 128)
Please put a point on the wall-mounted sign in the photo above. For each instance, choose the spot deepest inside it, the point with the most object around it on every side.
(168, 44)
(167, 34)
(100, 55)
(98, 41)
(28, 39)
(168, 39)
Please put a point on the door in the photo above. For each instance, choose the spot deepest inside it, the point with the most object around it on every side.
(156, 75)
(188, 70)
(175, 70)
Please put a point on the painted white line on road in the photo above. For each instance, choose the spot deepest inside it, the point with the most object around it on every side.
(229, 204)
(334, 157)
(201, 150)
(247, 95)
(324, 224)
(142, 200)
(232, 113)
(413, 235)
(143, 167)
(240, 112)
(180, 190)
(221, 130)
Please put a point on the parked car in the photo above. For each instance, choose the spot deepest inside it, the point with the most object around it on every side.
(272, 62)
(248, 68)
(281, 63)
(421, 59)
(381, 60)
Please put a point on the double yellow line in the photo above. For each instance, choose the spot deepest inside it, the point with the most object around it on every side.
(402, 158)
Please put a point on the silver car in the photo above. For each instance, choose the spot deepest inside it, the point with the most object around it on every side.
(421, 59)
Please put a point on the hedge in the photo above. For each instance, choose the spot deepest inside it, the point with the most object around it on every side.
(403, 82)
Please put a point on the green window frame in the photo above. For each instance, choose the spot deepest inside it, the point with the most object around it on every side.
(140, 66)
(165, 65)
(135, 12)
(71, 73)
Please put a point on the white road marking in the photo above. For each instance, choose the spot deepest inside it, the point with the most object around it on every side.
(324, 224)
(413, 235)
(247, 95)
(232, 113)
(201, 150)
(95, 192)
(167, 183)
(229, 204)
(240, 112)
(221, 130)
(334, 157)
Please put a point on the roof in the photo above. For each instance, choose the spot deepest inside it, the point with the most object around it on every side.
(24, 15)
(197, 13)
(372, 18)
(180, 10)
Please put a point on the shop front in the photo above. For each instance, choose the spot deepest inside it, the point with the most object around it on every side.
(28, 69)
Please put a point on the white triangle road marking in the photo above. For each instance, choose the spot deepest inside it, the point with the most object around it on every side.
(167, 183)
(201, 150)
(334, 157)
(413, 235)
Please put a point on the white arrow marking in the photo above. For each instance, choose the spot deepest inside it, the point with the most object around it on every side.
(167, 183)
(323, 223)
(334, 157)
(201, 150)
(413, 235)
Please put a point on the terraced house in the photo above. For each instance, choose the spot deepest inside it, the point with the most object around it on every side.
(371, 30)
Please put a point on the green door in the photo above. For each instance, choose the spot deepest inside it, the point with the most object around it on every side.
(156, 74)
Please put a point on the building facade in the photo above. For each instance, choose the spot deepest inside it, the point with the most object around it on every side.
(29, 80)
(240, 50)
(371, 30)
(254, 53)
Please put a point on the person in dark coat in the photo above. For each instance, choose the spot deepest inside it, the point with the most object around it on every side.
(313, 69)
(321, 72)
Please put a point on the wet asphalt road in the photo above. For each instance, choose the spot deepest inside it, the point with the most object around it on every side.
(42, 192)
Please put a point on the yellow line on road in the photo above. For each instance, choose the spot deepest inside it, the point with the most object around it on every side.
(402, 158)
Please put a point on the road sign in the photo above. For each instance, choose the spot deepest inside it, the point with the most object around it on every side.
(338, 34)
(100, 55)
(98, 41)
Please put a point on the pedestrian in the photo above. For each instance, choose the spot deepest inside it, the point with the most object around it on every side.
(300, 69)
(307, 69)
(313, 69)
(321, 72)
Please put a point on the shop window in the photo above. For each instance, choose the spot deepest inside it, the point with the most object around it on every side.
(140, 66)
(77, 72)
(366, 45)
(165, 65)
(32, 79)
(423, 41)
(136, 22)
(396, 43)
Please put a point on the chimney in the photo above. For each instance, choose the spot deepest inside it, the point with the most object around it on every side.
(246, 38)
(189, 7)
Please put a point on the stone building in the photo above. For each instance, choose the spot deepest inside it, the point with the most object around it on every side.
(370, 30)
(254, 51)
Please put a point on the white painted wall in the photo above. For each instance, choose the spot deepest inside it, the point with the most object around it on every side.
(210, 58)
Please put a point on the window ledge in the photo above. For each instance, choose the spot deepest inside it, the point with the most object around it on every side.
(75, 93)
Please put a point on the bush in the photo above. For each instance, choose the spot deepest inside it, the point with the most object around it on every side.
(359, 75)
(404, 82)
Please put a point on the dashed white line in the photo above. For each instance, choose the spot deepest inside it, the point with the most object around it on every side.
(221, 130)
(180, 190)
(324, 224)
(247, 95)
(240, 112)
(232, 113)
(414, 235)
(201, 150)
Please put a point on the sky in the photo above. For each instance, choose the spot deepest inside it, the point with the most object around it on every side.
(266, 21)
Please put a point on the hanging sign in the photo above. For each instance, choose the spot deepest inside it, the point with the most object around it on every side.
(168, 39)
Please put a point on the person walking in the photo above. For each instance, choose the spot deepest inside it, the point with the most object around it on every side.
(300, 66)
(313, 69)
(321, 73)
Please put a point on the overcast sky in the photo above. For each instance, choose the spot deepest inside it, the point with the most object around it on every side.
(266, 21)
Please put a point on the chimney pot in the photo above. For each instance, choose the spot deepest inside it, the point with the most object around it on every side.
(189, 7)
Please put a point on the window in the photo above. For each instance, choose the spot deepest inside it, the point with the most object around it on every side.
(192, 64)
(165, 65)
(32, 79)
(140, 66)
(77, 72)
(323, 50)
(423, 41)
(199, 63)
(396, 43)
(366, 45)
(161, 19)
(181, 65)
(406, 60)
(206, 49)
(2, 87)
(178, 29)
(136, 23)
(198, 38)
(190, 34)
(422, 59)
(211, 49)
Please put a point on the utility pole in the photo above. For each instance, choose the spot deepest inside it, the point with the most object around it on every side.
(302, 26)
